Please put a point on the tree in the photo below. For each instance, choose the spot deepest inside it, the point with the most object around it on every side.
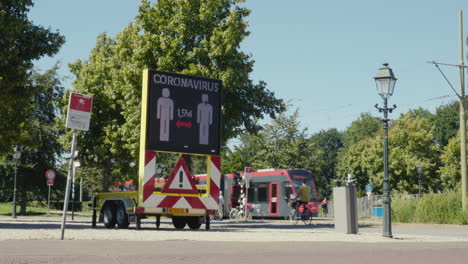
(190, 37)
(446, 122)
(21, 43)
(366, 126)
(450, 169)
(41, 149)
(331, 143)
(281, 144)
(243, 154)
(411, 140)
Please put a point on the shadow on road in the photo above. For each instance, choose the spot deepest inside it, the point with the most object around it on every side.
(166, 224)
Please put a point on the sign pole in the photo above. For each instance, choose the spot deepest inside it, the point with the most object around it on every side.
(50, 176)
(67, 191)
(48, 201)
(73, 191)
(247, 177)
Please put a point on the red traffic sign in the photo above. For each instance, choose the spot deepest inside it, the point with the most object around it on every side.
(248, 170)
(50, 175)
(50, 182)
(180, 180)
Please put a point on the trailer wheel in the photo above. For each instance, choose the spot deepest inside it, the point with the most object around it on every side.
(122, 217)
(178, 222)
(109, 215)
(193, 222)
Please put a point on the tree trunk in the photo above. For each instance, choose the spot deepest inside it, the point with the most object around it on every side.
(23, 201)
(107, 175)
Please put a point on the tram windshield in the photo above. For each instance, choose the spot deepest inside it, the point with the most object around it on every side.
(297, 176)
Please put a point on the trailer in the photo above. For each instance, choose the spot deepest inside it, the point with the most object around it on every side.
(179, 114)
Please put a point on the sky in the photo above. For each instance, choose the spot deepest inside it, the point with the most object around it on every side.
(320, 56)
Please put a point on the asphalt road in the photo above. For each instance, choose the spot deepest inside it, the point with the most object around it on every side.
(180, 251)
(229, 242)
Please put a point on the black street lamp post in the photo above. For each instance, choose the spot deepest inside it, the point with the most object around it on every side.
(385, 81)
(16, 156)
(420, 168)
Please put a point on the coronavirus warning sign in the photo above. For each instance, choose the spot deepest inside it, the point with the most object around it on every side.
(183, 113)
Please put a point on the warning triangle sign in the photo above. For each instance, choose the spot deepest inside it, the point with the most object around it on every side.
(180, 180)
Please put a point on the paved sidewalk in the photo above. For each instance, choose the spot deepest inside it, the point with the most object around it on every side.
(48, 228)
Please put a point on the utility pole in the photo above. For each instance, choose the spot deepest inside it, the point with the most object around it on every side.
(461, 96)
(462, 117)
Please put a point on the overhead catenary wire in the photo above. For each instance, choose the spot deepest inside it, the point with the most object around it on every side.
(445, 77)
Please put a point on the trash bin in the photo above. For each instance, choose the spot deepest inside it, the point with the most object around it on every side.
(345, 206)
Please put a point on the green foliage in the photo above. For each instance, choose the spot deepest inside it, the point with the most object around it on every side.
(40, 150)
(446, 123)
(199, 38)
(450, 169)
(366, 126)
(431, 208)
(281, 144)
(403, 210)
(410, 141)
(21, 43)
(330, 142)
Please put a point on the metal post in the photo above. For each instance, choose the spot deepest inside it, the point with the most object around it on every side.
(67, 190)
(73, 191)
(462, 119)
(246, 208)
(14, 190)
(386, 200)
(81, 188)
(419, 185)
(48, 200)
(93, 222)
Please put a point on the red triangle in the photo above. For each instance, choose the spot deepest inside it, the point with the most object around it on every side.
(184, 182)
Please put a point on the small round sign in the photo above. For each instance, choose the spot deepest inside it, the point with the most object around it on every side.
(50, 175)
(369, 188)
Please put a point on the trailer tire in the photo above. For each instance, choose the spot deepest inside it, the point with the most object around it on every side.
(179, 222)
(109, 214)
(193, 222)
(122, 217)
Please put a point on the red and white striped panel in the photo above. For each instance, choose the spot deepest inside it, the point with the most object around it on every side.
(149, 174)
(153, 201)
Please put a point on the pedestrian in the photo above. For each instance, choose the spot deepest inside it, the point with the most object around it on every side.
(221, 205)
(325, 206)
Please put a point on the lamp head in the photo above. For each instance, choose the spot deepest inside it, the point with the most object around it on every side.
(17, 154)
(385, 81)
(419, 166)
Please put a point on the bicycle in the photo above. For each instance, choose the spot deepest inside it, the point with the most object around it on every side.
(236, 213)
(305, 214)
(217, 215)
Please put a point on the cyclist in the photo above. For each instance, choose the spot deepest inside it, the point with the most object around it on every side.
(304, 194)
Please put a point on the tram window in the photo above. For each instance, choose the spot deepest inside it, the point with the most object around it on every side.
(262, 193)
(287, 190)
(251, 194)
(235, 196)
(273, 191)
